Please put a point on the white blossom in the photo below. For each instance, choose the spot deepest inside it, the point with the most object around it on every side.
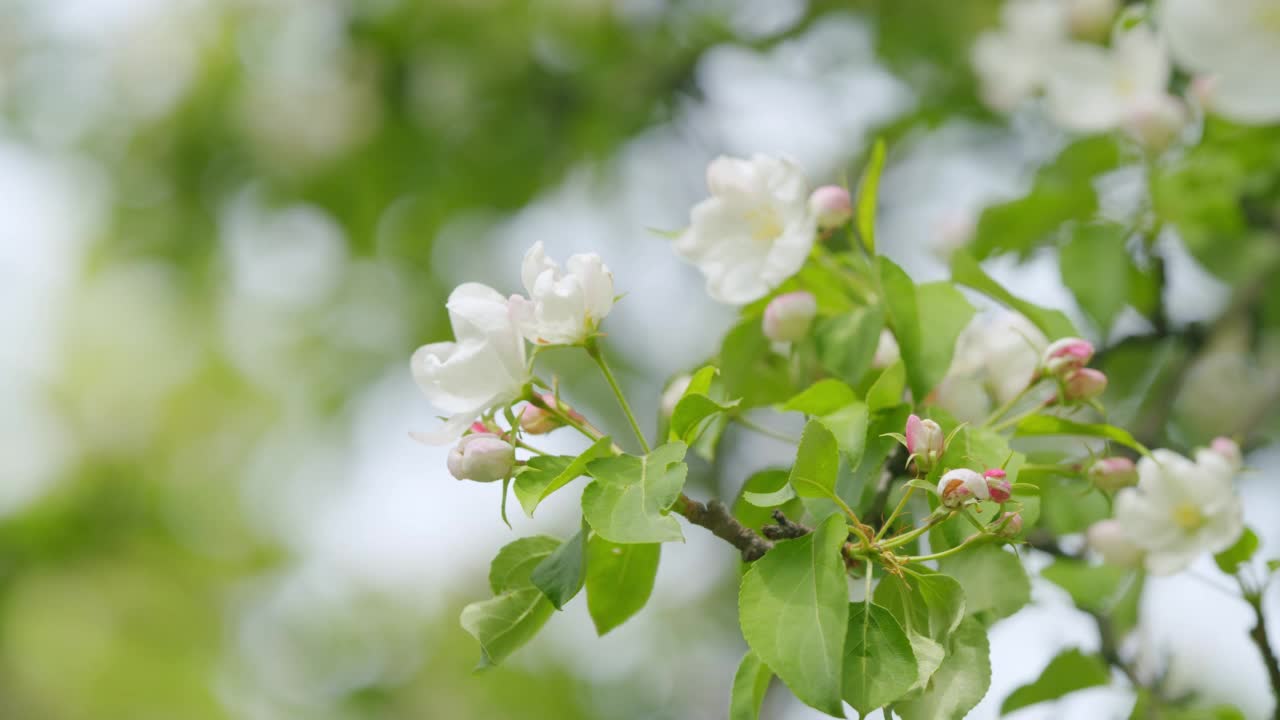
(1014, 62)
(755, 230)
(1091, 88)
(563, 307)
(1234, 42)
(1180, 508)
(482, 370)
(996, 356)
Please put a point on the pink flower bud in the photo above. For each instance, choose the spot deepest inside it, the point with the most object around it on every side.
(997, 485)
(1083, 385)
(1009, 525)
(480, 427)
(788, 317)
(1227, 448)
(925, 440)
(1065, 356)
(1108, 539)
(483, 457)
(1203, 88)
(961, 485)
(1156, 121)
(1113, 473)
(831, 205)
(536, 421)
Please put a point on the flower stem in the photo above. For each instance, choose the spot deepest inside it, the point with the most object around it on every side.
(934, 519)
(1014, 420)
(594, 351)
(1259, 636)
(755, 427)
(1003, 409)
(896, 512)
(945, 553)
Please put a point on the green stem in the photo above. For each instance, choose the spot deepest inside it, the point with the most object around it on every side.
(1000, 411)
(896, 512)
(526, 446)
(935, 519)
(854, 284)
(945, 553)
(754, 427)
(594, 351)
(1004, 424)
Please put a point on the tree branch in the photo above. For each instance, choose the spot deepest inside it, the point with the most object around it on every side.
(1259, 636)
(715, 516)
(785, 529)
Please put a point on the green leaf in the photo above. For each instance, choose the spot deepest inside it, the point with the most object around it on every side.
(817, 462)
(929, 608)
(868, 190)
(619, 580)
(1096, 268)
(750, 370)
(794, 610)
(1230, 560)
(505, 623)
(903, 316)
(847, 342)
(773, 499)
(629, 499)
(886, 391)
(879, 665)
(687, 420)
(960, 681)
(966, 271)
(561, 574)
(513, 565)
(749, 686)
(764, 483)
(994, 581)
(1049, 425)
(926, 321)
(1092, 587)
(849, 427)
(823, 397)
(544, 474)
(1273, 565)
(1068, 672)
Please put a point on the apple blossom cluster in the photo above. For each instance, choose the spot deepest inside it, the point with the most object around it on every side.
(1097, 73)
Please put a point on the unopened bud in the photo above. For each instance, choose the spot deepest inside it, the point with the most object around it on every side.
(1084, 385)
(788, 317)
(1203, 88)
(482, 457)
(1228, 449)
(1009, 525)
(671, 396)
(537, 421)
(961, 485)
(925, 441)
(1108, 539)
(887, 351)
(831, 205)
(1091, 19)
(1065, 356)
(1113, 473)
(1156, 121)
(998, 485)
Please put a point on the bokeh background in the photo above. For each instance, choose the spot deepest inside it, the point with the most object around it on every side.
(226, 224)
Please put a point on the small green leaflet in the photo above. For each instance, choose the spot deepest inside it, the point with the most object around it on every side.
(817, 462)
(504, 623)
(994, 581)
(561, 574)
(629, 499)
(764, 483)
(879, 665)
(886, 391)
(868, 190)
(847, 343)
(544, 474)
(926, 348)
(960, 681)
(1230, 560)
(1050, 425)
(770, 499)
(749, 686)
(1068, 672)
(619, 580)
(695, 407)
(823, 397)
(1096, 267)
(794, 610)
(929, 607)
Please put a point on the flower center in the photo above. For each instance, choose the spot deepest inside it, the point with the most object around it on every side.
(1188, 517)
(765, 225)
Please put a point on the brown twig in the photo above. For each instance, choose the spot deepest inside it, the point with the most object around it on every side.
(785, 529)
(715, 516)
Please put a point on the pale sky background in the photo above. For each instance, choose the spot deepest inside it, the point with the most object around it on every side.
(361, 506)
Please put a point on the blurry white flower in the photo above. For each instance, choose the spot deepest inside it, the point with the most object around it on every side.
(1091, 18)
(1091, 88)
(1238, 44)
(1156, 121)
(1180, 508)
(1014, 62)
(788, 317)
(1109, 539)
(482, 457)
(1229, 450)
(753, 232)
(563, 308)
(996, 357)
(484, 369)
(887, 350)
